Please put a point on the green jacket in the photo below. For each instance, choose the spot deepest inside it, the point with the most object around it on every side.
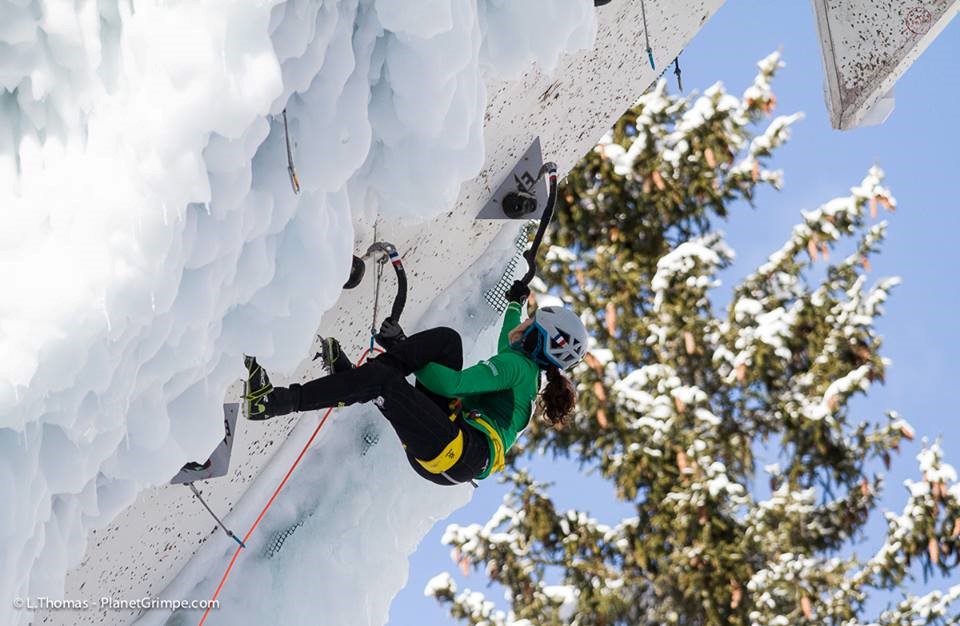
(501, 389)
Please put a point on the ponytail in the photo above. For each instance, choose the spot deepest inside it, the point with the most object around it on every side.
(558, 399)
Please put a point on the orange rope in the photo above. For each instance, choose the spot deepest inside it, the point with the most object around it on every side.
(276, 492)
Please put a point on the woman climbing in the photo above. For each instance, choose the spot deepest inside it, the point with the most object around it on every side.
(455, 425)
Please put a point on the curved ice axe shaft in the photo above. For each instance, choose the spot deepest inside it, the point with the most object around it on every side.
(550, 169)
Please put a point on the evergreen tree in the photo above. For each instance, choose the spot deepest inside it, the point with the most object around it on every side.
(675, 401)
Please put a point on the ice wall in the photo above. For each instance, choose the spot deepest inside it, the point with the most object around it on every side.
(150, 233)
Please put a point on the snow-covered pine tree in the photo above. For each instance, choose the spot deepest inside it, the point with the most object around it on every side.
(675, 401)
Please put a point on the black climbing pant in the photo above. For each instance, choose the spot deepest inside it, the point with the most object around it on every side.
(420, 417)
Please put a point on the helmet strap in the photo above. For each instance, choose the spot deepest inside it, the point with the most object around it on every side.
(532, 343)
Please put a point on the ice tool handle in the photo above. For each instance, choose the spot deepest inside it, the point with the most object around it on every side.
(550, 170)
(389, 251)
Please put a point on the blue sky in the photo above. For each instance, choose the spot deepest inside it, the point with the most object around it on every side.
(917, 147)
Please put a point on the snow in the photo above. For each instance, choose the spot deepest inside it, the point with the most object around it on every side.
(151, 236)
(932, 466)
(560, 254)
(438, 582)
(652, 104)
(776, 134)
(565, 596)
(720, 482)
(933, 605)
(622, 159)
(773, 469)
(706, 416)
(746, 308)
(761, 90)
(682, 260)
(648, 392)
(602, 355)
(772, 328)
(713, 101)
(917, 490)
(547, 299)
(878, 295)
(842, 387)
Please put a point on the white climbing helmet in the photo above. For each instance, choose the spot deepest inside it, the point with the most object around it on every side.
(556, 337)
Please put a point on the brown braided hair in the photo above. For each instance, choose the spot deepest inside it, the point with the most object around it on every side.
(558, 399)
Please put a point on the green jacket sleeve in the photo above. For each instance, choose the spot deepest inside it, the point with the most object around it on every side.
(511, 319)
(500, 372)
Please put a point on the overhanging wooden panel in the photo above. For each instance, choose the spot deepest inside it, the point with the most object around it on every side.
(867, 45)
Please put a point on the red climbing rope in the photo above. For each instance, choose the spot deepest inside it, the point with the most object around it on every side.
(276, 492)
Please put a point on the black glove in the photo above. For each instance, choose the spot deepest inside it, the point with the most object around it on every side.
(390, 334)
(518, 292)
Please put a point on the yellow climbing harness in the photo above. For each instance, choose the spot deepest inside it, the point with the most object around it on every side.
(446, 459)
(498, 456)
(454, 450)
(452, 453)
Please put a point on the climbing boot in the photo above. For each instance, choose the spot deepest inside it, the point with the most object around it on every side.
(257, 387)
(262, 399)
(332, 356)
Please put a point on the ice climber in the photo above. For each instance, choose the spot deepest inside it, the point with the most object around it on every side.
(455, 424)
